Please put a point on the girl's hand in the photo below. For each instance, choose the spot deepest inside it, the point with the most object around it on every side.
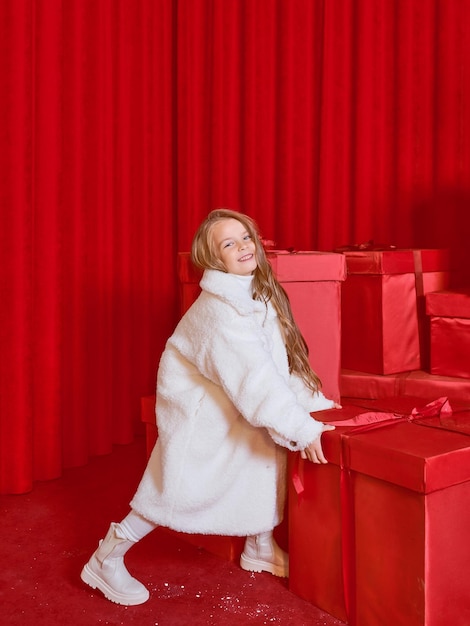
(314, 451)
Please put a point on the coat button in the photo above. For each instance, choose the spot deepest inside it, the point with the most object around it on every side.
(293, 444)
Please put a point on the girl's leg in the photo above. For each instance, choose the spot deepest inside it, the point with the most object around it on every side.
(262, 554)
(106, 570)
(136, 527)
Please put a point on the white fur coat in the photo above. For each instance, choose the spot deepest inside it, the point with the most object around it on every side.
(224, 400)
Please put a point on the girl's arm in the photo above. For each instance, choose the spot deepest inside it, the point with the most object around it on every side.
(235, 356)
(310, 401)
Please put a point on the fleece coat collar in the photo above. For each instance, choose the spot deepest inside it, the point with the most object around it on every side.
(233, 289)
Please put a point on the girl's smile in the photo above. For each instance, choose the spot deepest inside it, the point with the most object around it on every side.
(235, 247)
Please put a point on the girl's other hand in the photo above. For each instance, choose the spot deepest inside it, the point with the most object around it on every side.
(314, 452)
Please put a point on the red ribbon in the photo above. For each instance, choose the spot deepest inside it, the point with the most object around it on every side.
(377, 419)
(364, 422)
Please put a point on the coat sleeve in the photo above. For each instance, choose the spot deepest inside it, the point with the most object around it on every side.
(310, 401)
(233, 355)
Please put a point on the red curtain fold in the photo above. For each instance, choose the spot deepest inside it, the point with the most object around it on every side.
(16, 428)
(88, 287)
(123, 122)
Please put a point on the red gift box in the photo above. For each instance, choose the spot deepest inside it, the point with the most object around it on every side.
(449, 313)
(379, 536)
(312, 281)
(379, 312)
(189, 279)
(417, 383)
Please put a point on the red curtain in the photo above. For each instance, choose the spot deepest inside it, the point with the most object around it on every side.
(123, 122)
(87, 254)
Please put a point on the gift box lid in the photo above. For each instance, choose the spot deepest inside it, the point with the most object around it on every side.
(432, 259)
(380, 262)
(307, 266)
(448, 303)
(417, 383)
(288, 266)
(424, 385)
(359, 384)
(422, 458)
(405, 403)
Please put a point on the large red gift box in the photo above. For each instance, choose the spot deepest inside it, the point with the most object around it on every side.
(379, 312)
(417, 383)
(312, 281)
(449, 313)
(379, 536)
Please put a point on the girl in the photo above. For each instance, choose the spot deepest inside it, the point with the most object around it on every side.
(234, 391)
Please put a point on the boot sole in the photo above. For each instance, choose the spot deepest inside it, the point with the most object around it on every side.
(254, 565)
(93, 581)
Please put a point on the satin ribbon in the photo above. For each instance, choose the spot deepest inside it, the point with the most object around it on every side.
(362, 423)
(377, 419)
(370, 420)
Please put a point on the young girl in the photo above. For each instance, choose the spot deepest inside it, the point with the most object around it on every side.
(234, 391)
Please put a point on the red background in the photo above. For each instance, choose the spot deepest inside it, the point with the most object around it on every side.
(123, 122)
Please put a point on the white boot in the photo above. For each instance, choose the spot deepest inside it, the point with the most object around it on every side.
(106, 570)
(262, 554)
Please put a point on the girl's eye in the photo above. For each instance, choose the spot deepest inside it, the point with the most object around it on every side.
(246, 237)
(229, 243)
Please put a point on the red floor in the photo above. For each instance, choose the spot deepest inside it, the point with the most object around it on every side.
(49, 533)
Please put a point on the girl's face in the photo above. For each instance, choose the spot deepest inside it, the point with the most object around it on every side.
(234, 247)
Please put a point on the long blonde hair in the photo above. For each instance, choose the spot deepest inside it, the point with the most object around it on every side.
(265, 288)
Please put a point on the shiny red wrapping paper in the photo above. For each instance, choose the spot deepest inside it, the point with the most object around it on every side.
(379, 536)
(312, 281)
(449, 313)
(417, 383)
(379, 312)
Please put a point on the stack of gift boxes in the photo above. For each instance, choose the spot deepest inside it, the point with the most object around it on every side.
(379, 536)
(403, 331)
